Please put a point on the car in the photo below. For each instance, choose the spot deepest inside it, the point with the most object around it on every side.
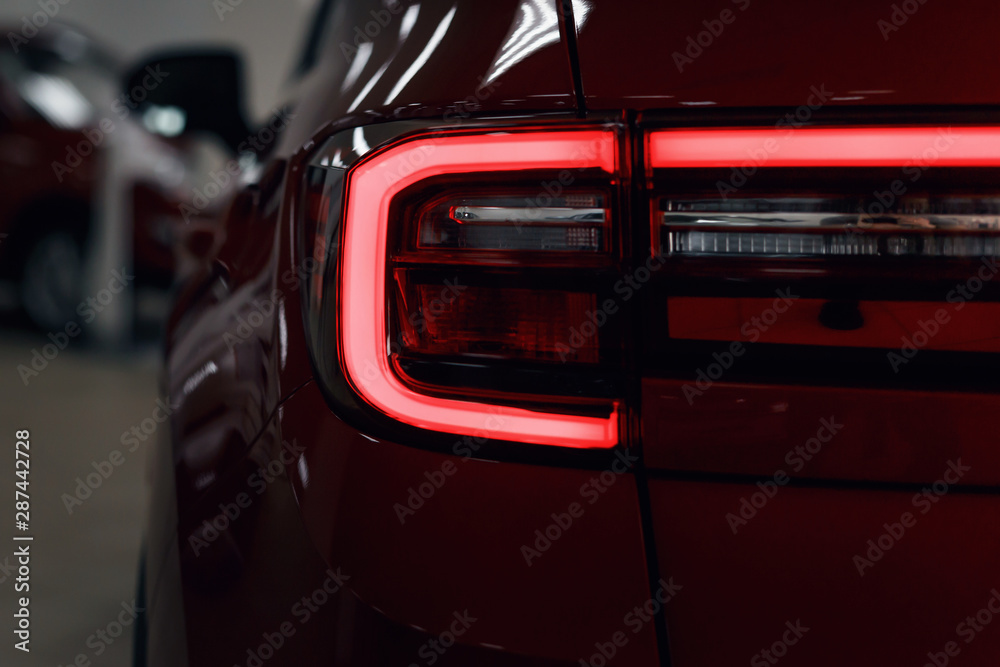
(82, 175)
(591, 333)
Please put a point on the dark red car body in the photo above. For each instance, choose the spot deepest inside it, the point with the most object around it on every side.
(275, 538)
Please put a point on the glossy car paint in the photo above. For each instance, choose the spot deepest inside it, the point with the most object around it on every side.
(244, 393)
(406, 579)
(758, 54)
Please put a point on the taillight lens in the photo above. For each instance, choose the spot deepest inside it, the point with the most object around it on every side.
(827, 192)
(576, 223)
(466, 265)
(491, 323)
(811, 147)
(918, 226)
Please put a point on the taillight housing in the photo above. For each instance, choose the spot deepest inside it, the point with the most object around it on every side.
(455, 279)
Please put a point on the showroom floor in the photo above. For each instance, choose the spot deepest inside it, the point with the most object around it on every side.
(83, 563)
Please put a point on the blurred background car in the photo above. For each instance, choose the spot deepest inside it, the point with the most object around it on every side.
(61, 116)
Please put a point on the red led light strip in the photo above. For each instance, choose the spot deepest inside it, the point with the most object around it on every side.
(372, 185)
(827, 147)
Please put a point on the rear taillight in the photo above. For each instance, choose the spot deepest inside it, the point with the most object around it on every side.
(471, 281)
(464, 267)
(918, 226)
(826, 193)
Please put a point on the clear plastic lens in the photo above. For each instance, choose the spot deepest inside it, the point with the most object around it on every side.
(804, 227)
(571, 223)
